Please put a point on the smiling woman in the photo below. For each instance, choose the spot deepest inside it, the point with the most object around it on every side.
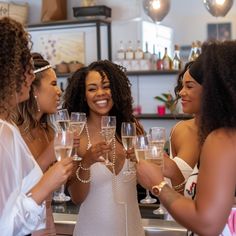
(103, 89)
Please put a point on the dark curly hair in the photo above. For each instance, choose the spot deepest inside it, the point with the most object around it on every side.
(219, 87)
(14, 59)
(74, 98)
(27, 110)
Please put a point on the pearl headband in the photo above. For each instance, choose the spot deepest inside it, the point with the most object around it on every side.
(42, 69)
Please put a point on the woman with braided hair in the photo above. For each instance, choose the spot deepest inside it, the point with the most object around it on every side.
(108, 197)
(32, 118)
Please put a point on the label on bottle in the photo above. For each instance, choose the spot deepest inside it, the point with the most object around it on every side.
(138, 55)
(166, 64)
(120, 55)
(129, 55)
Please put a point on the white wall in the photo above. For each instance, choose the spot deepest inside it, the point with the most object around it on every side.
(188, 18)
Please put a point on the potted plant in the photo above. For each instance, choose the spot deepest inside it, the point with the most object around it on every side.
(169, 101)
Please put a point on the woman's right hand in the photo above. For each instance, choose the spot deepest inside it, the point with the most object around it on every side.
(96, 153)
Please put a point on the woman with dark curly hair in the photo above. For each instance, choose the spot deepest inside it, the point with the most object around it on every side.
(211, 212)
(108, 197)
(24, 188)
(32, 118)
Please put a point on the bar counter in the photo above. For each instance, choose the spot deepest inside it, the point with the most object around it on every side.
(65, 216)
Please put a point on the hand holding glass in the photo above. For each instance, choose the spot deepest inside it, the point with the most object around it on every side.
(63, 144)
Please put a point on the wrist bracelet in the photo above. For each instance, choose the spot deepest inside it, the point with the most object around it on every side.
(179, 186)
(84, 181)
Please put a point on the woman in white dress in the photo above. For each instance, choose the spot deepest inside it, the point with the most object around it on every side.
(23, 186)
(211, 210)
(108, 197)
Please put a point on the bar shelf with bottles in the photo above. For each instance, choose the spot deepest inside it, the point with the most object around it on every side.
(153, 116)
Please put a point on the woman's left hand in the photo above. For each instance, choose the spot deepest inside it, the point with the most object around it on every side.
(130, 154)
(149, 174)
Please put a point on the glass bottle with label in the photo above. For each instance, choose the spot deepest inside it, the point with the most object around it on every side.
(159, 65)
(154, 58)
(129, 53)
(138, 54)
(192, 54)
(147, 55)
(177, 63)
(167, 62)
(121, 51)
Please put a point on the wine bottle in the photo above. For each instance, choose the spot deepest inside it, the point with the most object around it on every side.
(159, 65)
(154, 58)
(121, 51)
(129, 53)
(166, 61)
(147, 55)
(138, 54)
(177, 63)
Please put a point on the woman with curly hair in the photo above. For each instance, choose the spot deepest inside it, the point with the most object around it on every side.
(108, 197)
(32, 118)
(211, 212)
(24, 188)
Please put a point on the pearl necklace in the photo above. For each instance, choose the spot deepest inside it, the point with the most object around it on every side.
(89, 145)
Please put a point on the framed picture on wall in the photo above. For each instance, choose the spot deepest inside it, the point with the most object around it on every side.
(219, 31)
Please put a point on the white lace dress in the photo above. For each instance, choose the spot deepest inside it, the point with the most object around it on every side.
(109, 209)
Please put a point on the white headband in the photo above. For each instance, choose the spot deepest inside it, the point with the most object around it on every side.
(42, 69)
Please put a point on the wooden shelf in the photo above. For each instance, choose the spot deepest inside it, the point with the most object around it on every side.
(153, 72)
(163, 117)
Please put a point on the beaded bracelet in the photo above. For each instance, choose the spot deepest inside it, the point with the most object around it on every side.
(84, 181)
(179, 187)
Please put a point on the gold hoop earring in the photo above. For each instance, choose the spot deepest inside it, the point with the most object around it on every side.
(36, 99)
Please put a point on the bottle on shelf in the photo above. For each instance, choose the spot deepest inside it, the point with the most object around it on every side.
(176, 63)
(154, 58)
(147, 55)
(198, 48)
(159, 65)
(138, 53)
(192, 54)
(167, 62)
(121, 51)
(129, 53)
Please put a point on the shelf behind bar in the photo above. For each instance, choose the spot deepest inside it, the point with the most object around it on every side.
(163, 117)
(136, 73)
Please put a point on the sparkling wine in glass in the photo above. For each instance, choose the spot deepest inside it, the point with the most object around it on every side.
(128, 134)
(63, 119)
(77, 122)
(157, 139)
(108, 129)
(63, 144)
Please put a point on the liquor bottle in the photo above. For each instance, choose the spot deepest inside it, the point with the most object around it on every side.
(177, 63)
(147, 55)
(138, 53)
(129, 53)
(159, 65)
(154, 58)
(198, 48)
(192, 54)
(166, 61)
(121, 51)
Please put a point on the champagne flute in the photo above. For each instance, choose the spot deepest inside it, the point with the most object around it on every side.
(157, 139)
(77, 122)
(62, 119)
(63, 144)
(128, 134)
(108, 129)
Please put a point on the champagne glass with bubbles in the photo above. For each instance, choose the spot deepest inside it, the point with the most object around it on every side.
(108, 130)
(157, 139)
(63, 144)
(128, 134)
(77, 122)
(62, 119)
